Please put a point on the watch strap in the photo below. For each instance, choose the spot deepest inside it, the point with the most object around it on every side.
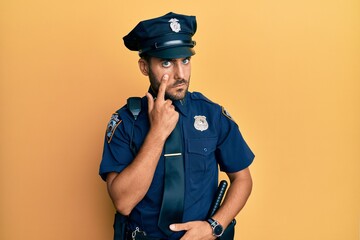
(215, 224)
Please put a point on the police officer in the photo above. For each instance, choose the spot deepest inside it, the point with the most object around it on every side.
(136, 163)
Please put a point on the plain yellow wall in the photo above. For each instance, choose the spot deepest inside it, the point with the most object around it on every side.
(287, 71)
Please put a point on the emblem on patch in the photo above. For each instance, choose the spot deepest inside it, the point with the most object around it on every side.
(174, 25)
(111, 127)
(227, 114)
(200, 123)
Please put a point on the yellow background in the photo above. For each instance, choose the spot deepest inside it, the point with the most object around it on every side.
(287, 71)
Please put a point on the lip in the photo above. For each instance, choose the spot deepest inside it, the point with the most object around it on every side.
(180, 85)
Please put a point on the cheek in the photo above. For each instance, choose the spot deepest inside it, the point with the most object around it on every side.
(188, 72)
(160, 72)
(166, 71)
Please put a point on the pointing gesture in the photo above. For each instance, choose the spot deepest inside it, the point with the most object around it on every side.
(162, 114)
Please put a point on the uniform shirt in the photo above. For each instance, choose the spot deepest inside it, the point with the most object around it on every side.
(210, 139)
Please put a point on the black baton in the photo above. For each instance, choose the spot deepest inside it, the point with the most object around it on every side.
(220, 192)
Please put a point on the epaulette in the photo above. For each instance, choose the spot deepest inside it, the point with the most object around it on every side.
(200, 96)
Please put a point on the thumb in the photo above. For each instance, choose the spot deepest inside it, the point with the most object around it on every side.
(150, 101)
(176, 227)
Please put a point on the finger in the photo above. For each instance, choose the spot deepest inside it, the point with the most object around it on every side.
(150, 101)
(162, 87)
(168, 102)
(178, 227)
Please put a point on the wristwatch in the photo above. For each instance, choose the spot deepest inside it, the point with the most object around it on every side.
(218, 230)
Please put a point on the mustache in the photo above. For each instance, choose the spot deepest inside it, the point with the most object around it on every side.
(179, 82)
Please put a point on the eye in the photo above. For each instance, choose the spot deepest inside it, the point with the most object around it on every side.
(186, 61)
(166, 63)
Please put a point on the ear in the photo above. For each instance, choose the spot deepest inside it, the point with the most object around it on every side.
(144, 66)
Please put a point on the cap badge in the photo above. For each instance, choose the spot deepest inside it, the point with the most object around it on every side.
(174, 25)
(200, 123)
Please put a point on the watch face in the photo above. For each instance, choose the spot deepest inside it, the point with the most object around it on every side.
(218, 230)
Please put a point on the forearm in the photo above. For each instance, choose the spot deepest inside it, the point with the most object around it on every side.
(127, 188)
(236, 196)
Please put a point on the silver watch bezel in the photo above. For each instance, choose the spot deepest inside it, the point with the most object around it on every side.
(213, 223)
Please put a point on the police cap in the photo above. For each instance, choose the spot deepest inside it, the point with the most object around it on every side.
(167, 37)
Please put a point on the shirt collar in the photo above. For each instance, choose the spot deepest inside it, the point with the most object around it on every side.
(182, 105)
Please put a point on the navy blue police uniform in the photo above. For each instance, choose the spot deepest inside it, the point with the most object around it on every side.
(210, 139)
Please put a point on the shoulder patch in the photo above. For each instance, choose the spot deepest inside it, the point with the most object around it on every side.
(226, 113)
(112, 125)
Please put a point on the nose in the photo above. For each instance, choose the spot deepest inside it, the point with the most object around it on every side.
(179, 72)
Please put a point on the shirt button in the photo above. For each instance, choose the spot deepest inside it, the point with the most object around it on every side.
(205, 149)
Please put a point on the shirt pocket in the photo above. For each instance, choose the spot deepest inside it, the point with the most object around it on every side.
(201, 155)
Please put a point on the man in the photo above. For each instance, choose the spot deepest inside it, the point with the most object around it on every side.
(137, 164)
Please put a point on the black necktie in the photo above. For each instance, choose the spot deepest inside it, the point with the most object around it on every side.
(174, 184)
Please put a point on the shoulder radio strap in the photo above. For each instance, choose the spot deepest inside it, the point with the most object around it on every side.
(134, 106)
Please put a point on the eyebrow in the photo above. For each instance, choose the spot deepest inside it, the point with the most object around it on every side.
(173, 59)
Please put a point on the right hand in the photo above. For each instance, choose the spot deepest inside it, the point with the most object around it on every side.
(162, 115)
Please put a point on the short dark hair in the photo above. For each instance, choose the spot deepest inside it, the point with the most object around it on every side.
(146, 57)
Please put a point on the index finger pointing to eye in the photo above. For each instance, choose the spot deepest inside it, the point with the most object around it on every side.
(162, 87)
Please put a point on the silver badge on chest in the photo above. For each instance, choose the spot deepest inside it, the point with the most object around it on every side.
(175, 25)
(200, 123)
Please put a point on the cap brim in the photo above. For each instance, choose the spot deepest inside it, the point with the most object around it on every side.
(172, 53)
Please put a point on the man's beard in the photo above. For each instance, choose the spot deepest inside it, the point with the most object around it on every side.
(155, 83)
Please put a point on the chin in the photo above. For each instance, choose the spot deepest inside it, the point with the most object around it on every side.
(177, 95)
